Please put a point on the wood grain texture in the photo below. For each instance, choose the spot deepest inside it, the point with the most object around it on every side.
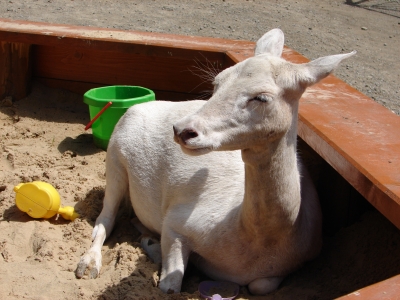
(175, 74)
(79, 87)
(15, 70)
(386, 290)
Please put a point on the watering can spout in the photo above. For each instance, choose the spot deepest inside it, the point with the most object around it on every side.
(68, 213)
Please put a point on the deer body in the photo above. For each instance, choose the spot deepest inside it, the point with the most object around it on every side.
(225, 186)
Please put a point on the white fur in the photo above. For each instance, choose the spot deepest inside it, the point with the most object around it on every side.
(239, 204)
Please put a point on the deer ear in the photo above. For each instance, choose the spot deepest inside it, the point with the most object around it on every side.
(318, 69)
(271, 43)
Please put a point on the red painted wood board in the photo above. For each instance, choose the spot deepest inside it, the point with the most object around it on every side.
(385, 290)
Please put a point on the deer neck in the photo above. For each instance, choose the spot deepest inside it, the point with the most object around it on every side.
(272, 187)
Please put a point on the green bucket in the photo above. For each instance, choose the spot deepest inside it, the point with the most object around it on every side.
(122, 97)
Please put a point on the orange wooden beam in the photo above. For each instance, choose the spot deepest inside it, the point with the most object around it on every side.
(385, 290)
(111, 39)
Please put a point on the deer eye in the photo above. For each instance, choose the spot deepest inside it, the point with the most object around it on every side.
(262, 98)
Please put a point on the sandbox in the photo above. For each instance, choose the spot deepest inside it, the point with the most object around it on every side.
(350, 143)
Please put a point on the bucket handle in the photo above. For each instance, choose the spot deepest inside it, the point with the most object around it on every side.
(98, 115)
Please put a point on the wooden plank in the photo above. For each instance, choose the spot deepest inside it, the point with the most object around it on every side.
(386, 290)
(93, 66)
(5, 63)
(15, 70)
(358, 137)
(238, 55)
(79, 87)
(112, 39)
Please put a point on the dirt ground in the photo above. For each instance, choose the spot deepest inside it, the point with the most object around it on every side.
(42, 137)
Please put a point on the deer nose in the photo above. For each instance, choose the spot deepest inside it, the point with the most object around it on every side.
(188, 134)
(185, 135)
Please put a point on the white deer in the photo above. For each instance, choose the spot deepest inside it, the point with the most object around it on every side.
(233, 194)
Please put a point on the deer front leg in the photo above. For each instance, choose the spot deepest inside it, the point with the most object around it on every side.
(104, 224)
(175, 255)
(92, 258)
(116, 187)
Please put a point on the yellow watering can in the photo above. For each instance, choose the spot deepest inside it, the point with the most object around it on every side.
(41, 200)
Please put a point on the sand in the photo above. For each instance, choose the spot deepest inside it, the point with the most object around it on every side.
(42, 137)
